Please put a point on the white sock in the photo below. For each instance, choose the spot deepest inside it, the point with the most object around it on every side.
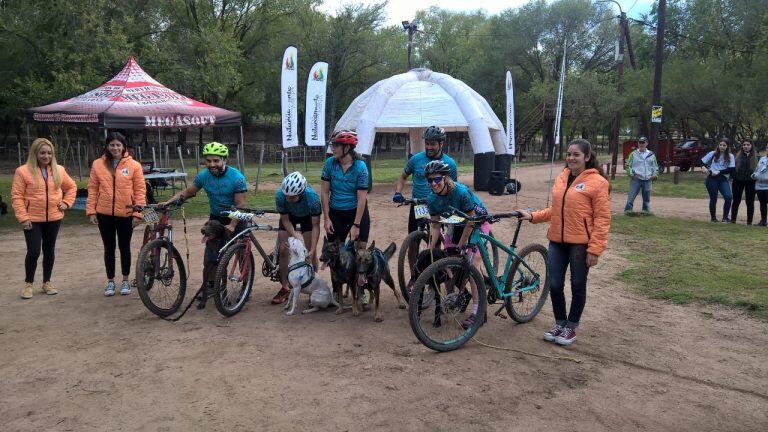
(474, 308)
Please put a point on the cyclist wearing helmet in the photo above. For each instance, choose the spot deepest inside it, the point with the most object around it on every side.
(434, 137)
(344, 192)
(447, 193)
(224, 185)
(298, 205)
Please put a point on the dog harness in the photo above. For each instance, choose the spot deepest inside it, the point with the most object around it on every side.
(378, 257)
(299, 265)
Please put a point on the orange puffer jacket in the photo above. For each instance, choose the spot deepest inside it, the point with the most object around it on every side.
(39, 203)
(581, 213)
(112, 193)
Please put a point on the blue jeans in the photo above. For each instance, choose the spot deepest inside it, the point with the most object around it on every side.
(714, 185)
(635, 186)
(560, 257)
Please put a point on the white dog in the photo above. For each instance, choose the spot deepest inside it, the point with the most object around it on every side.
(319, 293)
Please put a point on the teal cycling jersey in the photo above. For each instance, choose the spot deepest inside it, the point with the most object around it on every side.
(309, 205)
(415, 166)
(460, 198)
(221, 189)
(344, 185)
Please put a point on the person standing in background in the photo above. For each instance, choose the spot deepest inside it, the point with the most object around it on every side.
(643, 169)
(746, 162)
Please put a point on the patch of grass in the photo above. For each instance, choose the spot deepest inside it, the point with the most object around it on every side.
(684, 261)
(691, 186)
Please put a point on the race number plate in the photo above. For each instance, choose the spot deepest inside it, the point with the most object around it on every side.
(452, 220)
(150, 216)
(421, 211)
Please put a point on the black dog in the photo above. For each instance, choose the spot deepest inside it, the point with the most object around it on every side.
(341, 259)
(214, 237)
(372, 268)
(3, 206)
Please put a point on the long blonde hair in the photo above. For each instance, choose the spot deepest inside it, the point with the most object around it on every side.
(34, 167)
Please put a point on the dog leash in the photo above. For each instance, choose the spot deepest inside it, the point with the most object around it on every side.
(186, 240)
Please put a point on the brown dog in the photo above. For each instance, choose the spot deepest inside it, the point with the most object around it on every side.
(372, 268)
(214, 237)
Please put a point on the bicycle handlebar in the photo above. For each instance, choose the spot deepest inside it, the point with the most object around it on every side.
(173, 205)
(414, 201)
(492, 218)
(255, 211)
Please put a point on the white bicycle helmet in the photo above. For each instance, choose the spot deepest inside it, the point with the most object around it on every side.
(294, 184)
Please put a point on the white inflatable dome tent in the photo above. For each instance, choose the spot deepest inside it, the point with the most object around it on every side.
(414, 100)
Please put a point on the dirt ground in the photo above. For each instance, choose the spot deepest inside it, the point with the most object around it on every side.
(80, 361)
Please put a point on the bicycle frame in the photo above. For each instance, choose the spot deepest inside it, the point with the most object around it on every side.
(243, 237)
(478, 239)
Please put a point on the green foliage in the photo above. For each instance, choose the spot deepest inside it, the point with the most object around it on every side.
(227, 53)
(667, 260)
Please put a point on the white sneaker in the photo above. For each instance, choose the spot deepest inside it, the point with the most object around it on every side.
(125, 288)
(109, 291)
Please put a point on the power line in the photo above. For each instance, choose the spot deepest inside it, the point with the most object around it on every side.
(682, 36)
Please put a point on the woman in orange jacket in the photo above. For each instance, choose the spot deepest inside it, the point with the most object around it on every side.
(116, 183)
(580, 218)
(40, 194)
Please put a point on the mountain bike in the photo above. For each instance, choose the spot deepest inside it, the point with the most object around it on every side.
(442, 293)
(236, 268)
(161, 277)
(415, 243)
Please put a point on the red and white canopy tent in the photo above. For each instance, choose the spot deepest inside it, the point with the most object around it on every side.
(134, 100)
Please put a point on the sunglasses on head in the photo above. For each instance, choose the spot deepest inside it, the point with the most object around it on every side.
(435, 180)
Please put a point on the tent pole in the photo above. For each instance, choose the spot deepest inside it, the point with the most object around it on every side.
(197, 150)
(258, 170)
(154, 158)
(242, 147)
(181, 159)
(79, 162)
(28, 144)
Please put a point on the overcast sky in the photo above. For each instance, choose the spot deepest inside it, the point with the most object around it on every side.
(400, 10)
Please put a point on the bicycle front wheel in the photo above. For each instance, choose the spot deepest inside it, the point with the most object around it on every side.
(416, 242)
(531, 283)
(161, 277)
(441, 304)
(234, 280)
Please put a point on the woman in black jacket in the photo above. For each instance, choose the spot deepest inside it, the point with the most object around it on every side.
(746, 161)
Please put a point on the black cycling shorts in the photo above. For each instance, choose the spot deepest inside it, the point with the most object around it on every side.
(342, 221)
(304, 221)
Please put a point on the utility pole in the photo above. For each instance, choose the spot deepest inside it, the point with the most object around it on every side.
(661, 12)
(619, 91)
(623, 30)
(411, 28)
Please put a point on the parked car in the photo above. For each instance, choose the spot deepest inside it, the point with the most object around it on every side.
(688, 153)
